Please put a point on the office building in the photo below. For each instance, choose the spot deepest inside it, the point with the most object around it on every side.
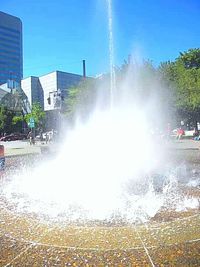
(11, 55)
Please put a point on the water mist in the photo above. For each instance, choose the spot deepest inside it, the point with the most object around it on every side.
(110, 166)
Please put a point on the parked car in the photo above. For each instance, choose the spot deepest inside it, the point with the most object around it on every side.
(14, 137)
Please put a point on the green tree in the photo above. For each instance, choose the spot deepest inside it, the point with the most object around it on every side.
(188, 92)
(6, 117)
(36, 112)
(190, 58)
(2, 118)
(80, 99)
(167, 78)
(182, 77)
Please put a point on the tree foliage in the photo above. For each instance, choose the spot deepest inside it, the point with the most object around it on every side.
(2, 117)
(183, 76)
(176, 84)
(190, 58)
(36, 113)
(6, 117)
(81, 99)
(135, 82)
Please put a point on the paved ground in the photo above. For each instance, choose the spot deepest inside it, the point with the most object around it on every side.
(187, 151)
(18, 148)
(186, 144)
(15, 148)
(21, 152)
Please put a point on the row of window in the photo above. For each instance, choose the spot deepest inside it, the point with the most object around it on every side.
(10, 41)
(7, 75)
(2, 81)
(9, 29)
(10, 46)
(7, 71)
(10, 63)
(4, 58)
(10, 53)
(11, 71)
(2, 77)
(12, 36)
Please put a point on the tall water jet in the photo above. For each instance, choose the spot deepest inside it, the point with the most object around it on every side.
(111, 52)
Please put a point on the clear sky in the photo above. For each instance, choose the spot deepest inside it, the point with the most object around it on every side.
(58, 34)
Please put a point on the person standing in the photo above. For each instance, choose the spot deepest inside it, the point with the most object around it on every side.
(180, 133)
(31, 138)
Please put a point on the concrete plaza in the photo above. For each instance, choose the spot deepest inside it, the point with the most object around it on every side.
(20, 148)
(15, 148)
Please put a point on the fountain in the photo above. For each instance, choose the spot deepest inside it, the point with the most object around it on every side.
(111, 50)
(108, 198)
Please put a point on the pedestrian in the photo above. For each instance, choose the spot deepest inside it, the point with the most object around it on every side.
(31, 138)
(180, 133)
(51, 136)
(47, 137)
(41, 136)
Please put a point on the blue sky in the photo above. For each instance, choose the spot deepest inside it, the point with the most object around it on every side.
(58, 34)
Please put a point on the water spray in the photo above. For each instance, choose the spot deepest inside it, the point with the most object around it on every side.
(111, 53)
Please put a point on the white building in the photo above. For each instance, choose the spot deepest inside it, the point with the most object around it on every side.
(49, 90)
(46, 88)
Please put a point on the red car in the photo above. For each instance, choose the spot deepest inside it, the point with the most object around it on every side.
(14, 137)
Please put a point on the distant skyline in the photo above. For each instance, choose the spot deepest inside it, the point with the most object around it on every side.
(58, 35)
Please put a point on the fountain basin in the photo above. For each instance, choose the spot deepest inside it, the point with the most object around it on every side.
(26, 239)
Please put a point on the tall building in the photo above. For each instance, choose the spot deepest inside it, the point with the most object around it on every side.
(11, 55)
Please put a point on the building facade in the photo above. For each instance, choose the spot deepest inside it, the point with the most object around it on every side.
(49, 88)
(11, 55)
(33, 90)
